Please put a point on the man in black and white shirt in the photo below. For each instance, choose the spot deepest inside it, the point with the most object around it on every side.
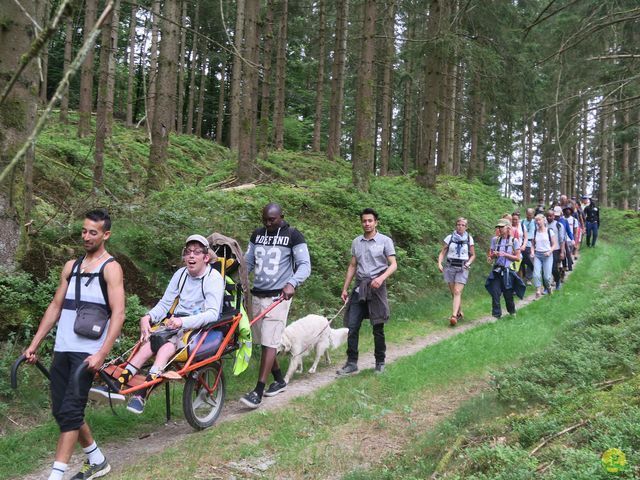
(279, 258)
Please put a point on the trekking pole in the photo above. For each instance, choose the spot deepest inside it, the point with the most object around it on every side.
(261, 315)
(16, 365)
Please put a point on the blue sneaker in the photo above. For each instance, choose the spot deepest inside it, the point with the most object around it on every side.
(136, 405)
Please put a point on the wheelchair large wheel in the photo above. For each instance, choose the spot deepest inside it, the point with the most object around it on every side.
(203, 396)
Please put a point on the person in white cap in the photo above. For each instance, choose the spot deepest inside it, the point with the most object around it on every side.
(199, 289)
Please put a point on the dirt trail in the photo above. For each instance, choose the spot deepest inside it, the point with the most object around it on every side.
(127, 452)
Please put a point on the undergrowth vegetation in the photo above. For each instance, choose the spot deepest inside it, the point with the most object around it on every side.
(556, 413)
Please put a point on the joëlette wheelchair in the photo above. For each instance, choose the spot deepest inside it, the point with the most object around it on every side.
(199, 363)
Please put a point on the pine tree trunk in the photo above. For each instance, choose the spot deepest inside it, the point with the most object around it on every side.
(162, 119)
(281, 75)
(265, 110)
(16, 122)
(247, 145)
(636, 172)
(626, 154)
(153, 63)
(387, 87)
(408, 101)
(604, 159)
(196, 63)
(181, 68)
(201, 93)
(453, 124)
(363, 136)
(236, 79)
(337, 80)
(443, 164)
(585, 143)
(68, 49)
(106, 83)
(221, 103)
(131, 65)
(476, 163)
(426, 162)
(542, 178)
(44, 56)
(86, 75)
(525, 165)
(322, 53)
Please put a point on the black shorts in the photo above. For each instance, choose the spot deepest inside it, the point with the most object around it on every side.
(66, 406)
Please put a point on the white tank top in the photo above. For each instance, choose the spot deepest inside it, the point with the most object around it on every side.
(66, 338)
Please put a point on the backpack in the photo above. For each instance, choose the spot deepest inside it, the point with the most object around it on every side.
(458, 243)
(533, 240)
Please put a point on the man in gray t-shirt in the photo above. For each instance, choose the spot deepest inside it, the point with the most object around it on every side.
(373, 259)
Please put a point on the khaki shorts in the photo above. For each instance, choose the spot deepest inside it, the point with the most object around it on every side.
(268, 330)
(453, 274)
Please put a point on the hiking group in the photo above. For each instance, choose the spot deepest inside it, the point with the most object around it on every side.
(90, 314)
(536, 250)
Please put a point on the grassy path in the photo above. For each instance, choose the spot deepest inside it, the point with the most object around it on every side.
(307, 439)
(316, 436)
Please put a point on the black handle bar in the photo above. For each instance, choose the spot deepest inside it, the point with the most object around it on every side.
(82, 369)
(17, 363)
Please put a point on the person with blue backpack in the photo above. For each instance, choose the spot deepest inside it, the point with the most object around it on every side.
(460, 254)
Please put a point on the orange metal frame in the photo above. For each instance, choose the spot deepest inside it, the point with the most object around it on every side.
(190, 365)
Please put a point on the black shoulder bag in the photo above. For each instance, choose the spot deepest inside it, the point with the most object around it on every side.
(91, 318)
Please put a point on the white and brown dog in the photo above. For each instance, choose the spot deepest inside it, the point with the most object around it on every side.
(308, 334)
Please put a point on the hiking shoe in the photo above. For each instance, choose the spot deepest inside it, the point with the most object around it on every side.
(103, 392)
(252, 399)
(453, 321)
(379, 367)
(538, 295)
(348, 369)
(136, 405)
(88, 471)
(275, 388)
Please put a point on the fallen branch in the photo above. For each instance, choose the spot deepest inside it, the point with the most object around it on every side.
(544, 467)
(13, 421)
(608, 383)
(246, 186)
(73, 68)
(556, 435)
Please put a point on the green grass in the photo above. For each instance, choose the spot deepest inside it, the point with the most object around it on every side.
(598, 345)
(368, 398)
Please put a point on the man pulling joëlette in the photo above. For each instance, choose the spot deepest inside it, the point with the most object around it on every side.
(278, 256)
